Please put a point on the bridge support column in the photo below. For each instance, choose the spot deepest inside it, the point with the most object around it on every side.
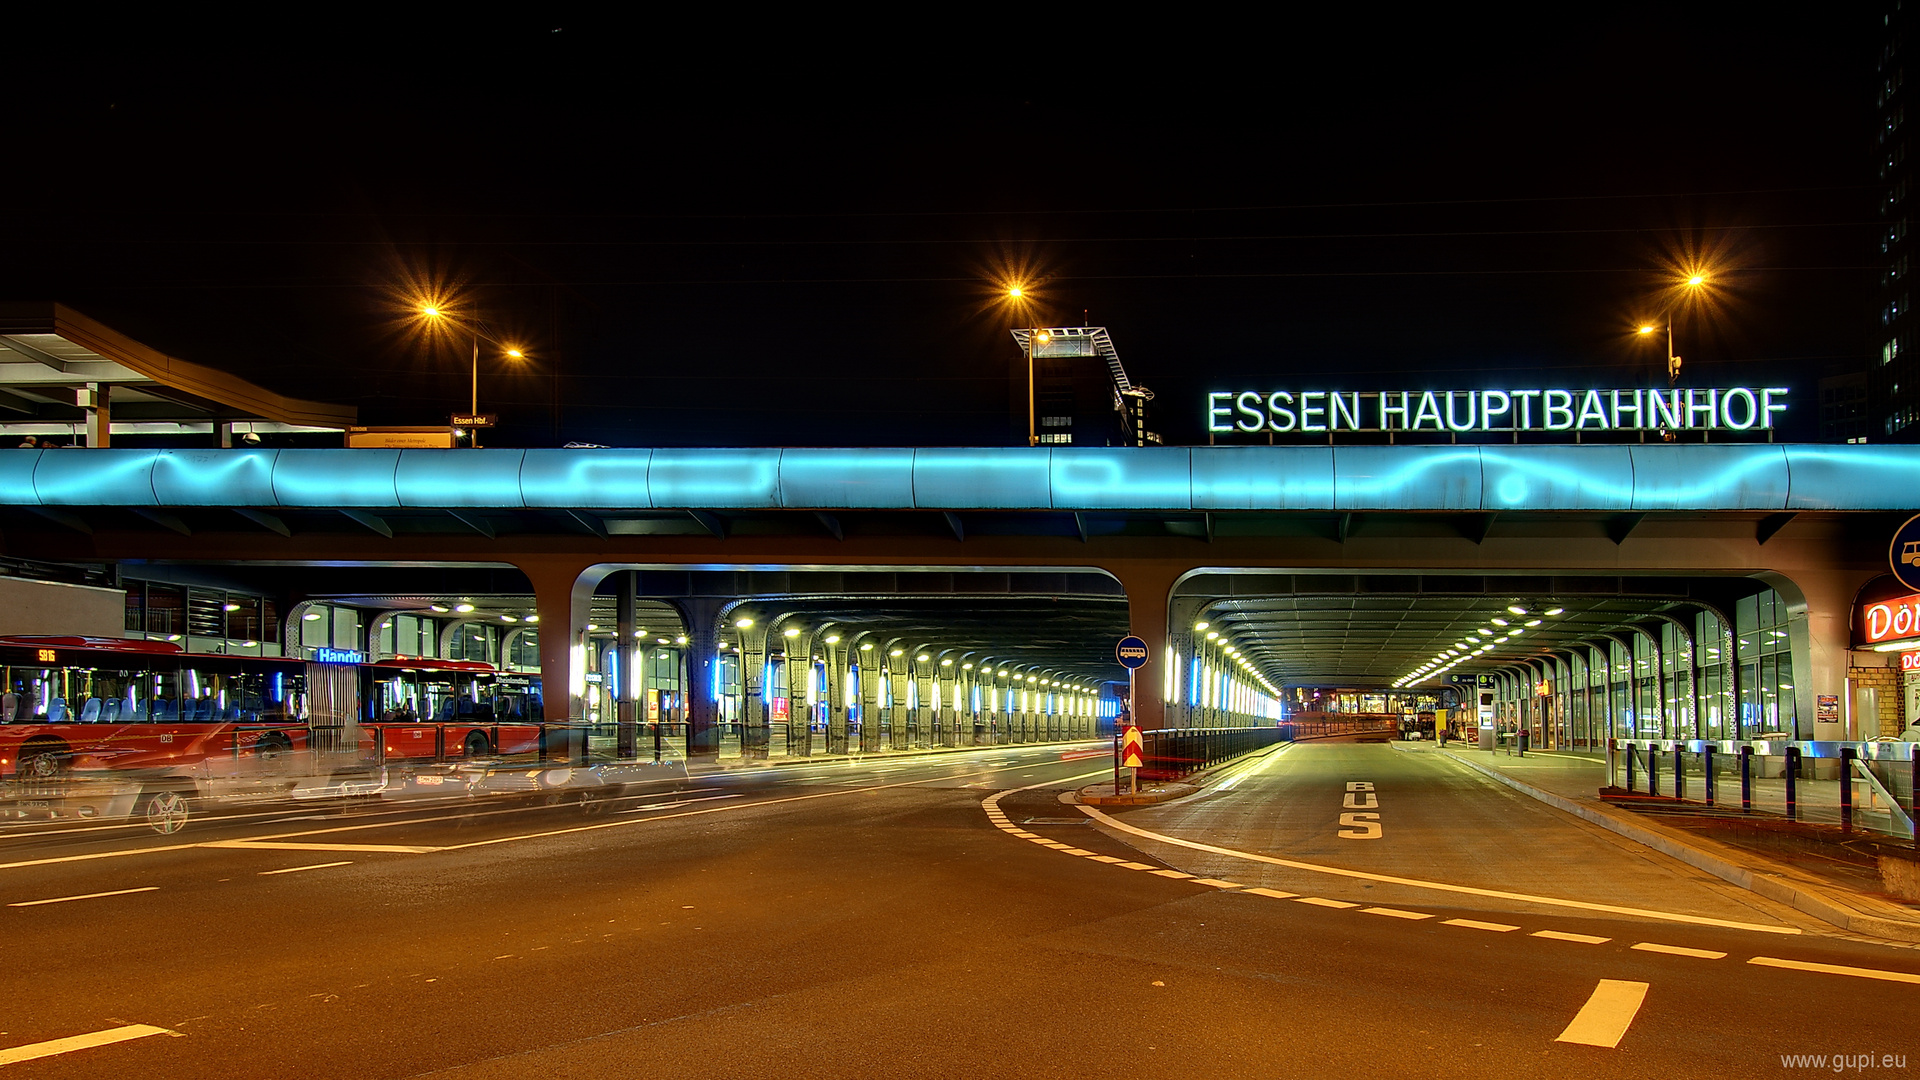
(563, 591)
(1820, 610)
(702, 658)
(1149, 586)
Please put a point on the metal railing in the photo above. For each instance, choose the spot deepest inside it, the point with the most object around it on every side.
(1319, 728)
(1868, 785)
(1171, 753)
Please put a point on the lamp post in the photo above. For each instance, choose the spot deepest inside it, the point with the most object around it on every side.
(1693, 282)
(436, 315)
(1036, 337)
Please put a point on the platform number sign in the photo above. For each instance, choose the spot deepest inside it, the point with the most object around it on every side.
(1132, 651)
(1904, 553)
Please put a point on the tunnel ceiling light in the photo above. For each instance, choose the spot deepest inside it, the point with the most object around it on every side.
(923, 658)
(1516, 609)
(508, 618)
(897, 652)
(1497, 621)
(680, 640)
(533, 618)
(310, 616)
(742, 623)
(833, 639)
(593, 626)
(1201, 625)
(463, 608)
(1213, 635)
(442, 608)
(964, 667)
(948, 662)
(1532, 622)
(229, 607)
(866, 646)
(790, 632)
(1556, 611)
(663, 641)
(1484, 632)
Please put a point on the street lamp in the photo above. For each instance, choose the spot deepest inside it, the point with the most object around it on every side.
(1691, 282)
(438, 315)
(1036, 337)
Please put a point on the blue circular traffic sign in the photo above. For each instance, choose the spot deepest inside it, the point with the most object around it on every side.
(1132, 651)
(1903, 555)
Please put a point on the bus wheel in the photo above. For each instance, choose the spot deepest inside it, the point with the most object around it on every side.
(165, 811)
(42, 760)
(272, 745)
(477, 744)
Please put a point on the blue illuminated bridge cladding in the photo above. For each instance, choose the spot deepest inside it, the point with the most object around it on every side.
(1487, 478)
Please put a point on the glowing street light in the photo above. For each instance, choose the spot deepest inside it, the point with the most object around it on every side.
(438, 315)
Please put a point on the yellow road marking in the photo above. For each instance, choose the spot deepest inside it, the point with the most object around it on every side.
(1562, 935)
(1604, 1019)
(1395, 913)
(1476, 924)
(1679, 950)
(1837, 969)
(85, 896)
(68, 1045)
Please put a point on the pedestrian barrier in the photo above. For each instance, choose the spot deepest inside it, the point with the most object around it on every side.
(1867, 785)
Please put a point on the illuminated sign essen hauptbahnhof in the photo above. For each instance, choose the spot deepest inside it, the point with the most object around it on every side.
(1736, 408)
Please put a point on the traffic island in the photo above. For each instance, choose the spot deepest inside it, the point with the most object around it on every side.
(1154, 792)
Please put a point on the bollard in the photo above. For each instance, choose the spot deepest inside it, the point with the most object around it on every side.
(1706, 768)
(1653, 774)
(1630, 760)
(1846, 788)
(1792, 774)
(1679, 773)
(1746, 779)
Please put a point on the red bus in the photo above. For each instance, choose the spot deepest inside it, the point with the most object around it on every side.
(419, 708)
(162, 724)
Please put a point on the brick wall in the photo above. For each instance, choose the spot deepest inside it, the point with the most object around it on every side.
(1892, 699)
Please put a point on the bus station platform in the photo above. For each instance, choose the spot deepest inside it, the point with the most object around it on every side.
(1814, 867)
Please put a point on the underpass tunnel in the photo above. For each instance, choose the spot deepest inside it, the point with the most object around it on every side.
(1572, 660)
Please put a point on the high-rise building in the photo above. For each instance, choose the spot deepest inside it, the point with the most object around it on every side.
(1895, 374)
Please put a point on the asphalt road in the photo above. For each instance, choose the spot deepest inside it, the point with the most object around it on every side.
(943, 916)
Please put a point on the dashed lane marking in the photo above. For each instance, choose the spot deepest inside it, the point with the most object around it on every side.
(1275, 893)
(1439, 886)
(1136, 866)
(1395, 913)
(1218, 884)
(84, 896)
(1679, 950)
(309, 866)
(1170, 874)
(1604, 1019)
(1321, 901)
(268, 845)
(1476, 924)
(1562, 935)
(1837, 969)
(15, 1054)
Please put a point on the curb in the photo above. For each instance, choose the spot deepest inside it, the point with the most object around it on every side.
(1722, 862)
(704, 769)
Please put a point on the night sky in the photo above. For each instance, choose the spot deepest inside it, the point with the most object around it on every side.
(743, 232)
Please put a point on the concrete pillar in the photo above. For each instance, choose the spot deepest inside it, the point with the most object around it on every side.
(563, 593)
(1820, 610)
(753, 698)
(702, 660)
(99, 405)
(1149, 587)
(833, 653)
(626, 705)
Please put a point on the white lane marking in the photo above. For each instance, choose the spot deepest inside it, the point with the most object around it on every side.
(1837, 969)
(1604, 1019)
(1679, 950)
(1135, 866)
(1275, 893)
(85, 896)
(68, 1045)
(274, 845)
(1170, 874)
(1476, 924)
(682, 802)
(1320, 901)
(1217, 883)
(312, 866)
(741, 806)
(1562, 935)
(1395, 913)
(1442, 886)
(1252, 769)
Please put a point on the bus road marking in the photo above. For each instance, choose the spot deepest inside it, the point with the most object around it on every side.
(84, 896)
(68, 1045)
(310, 866)
(1604, 1019)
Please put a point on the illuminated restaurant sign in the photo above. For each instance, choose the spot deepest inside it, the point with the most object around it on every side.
(1890, 620)
(1736, 408)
